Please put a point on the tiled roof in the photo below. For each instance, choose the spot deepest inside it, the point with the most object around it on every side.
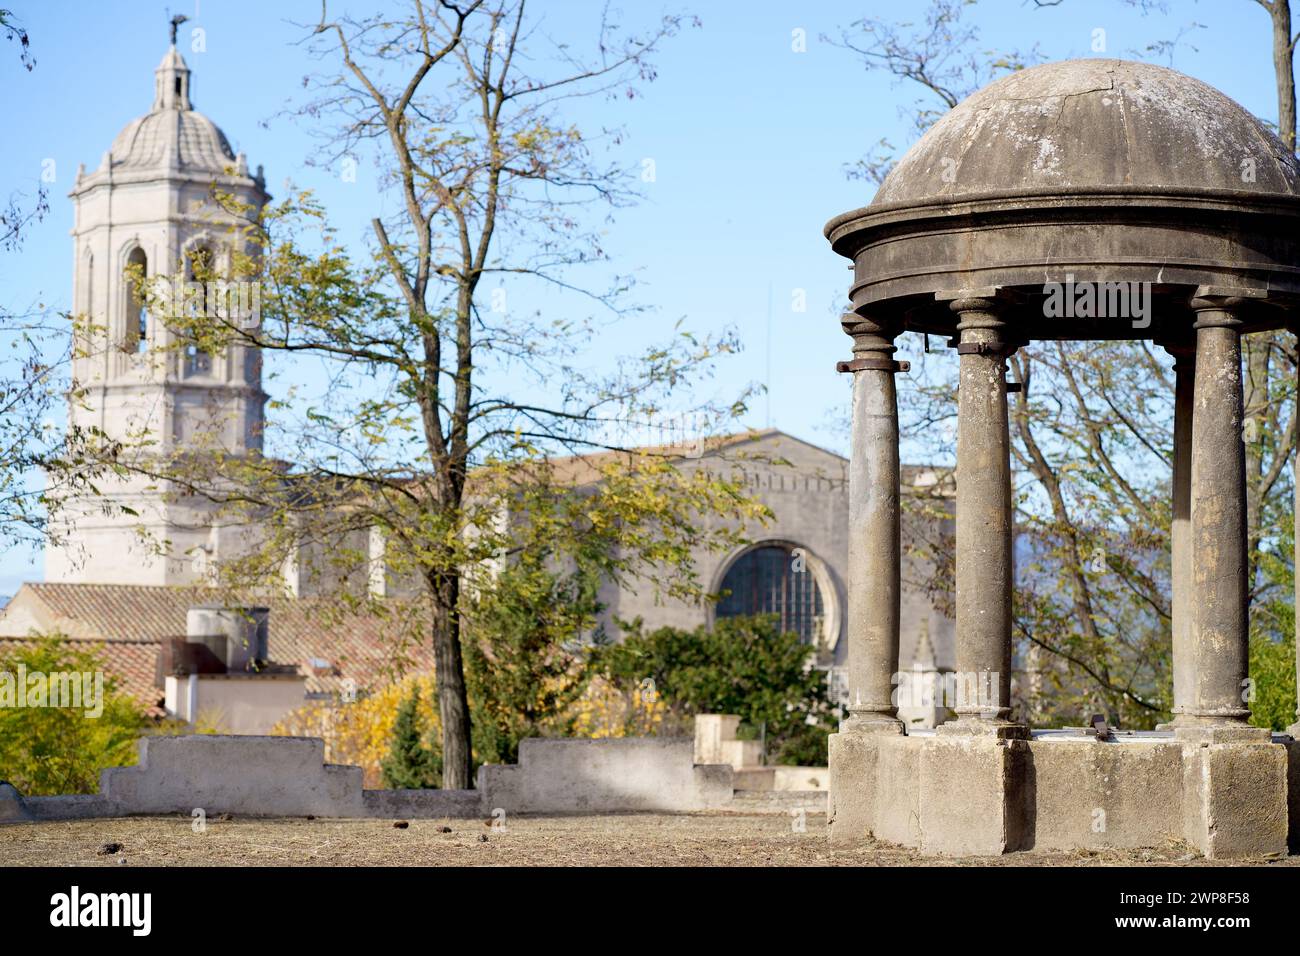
(132, 662)
(586, 468)
(132, 621)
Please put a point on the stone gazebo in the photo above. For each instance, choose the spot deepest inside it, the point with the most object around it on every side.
(1133, 179)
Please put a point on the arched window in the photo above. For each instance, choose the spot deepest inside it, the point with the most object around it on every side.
(772, 579)
(198, 268)
(137, 313)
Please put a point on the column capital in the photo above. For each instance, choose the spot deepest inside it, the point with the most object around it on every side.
(871, 326)
(989, 301)
(873, 344)
(1217, 306)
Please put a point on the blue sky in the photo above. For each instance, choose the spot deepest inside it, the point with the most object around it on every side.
(749, 139)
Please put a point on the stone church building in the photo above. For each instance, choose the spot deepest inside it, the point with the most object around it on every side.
(146, 208)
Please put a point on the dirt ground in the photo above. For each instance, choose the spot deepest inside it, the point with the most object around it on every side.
(620, 840)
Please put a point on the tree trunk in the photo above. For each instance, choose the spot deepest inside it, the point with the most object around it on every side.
(1282, 70)
(453, 703)
(1256, 349)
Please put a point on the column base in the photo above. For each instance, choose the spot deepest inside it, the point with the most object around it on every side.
(1229, 793)
(1235, 792)
(1293, 788)
(974, 797)
(997, 728)
(871, 724)
(855, 792)
(1206, 734)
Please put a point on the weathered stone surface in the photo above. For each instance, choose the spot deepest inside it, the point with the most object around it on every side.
(1106, 170)
(286, 776)
(898, 811)
(791, 802)
(854, 788)
(252, 776)
(1154, 128)
(979, 794)
(776, 777)
(1180, 531)
(985, 568)
(12, 809)
(1086, 793)
(1293, 794)
(629, 773)
(972, 796)
(1235, 799)
(875, 555)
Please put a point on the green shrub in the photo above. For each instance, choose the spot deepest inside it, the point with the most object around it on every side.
(50, 750)
(1272, 637)
(523, 665)
(411, 764)
(742, 665)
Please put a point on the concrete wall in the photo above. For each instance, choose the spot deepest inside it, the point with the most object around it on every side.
(235, 703)
(628, 773)
(715, 742)
(255, 776)
(287, 776)
(798, 779)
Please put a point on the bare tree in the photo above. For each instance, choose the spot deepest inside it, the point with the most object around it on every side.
(442, 409)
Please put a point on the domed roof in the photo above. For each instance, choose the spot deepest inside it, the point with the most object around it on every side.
(1106, 173)
(1081, 125)
(153, 139)
(173, 133)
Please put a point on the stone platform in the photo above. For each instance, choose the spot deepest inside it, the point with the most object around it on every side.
(1228, 793)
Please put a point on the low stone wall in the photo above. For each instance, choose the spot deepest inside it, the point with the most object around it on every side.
(618, 774)
(423, 804)
(244, 775)
(287, 776)
(778, 777)
(266, 776)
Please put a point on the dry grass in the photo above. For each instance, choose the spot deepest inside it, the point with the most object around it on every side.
(618, 840)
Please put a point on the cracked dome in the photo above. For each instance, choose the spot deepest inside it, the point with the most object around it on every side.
(1081, 125)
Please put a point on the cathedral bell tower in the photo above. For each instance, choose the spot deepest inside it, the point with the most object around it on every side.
(149, 207)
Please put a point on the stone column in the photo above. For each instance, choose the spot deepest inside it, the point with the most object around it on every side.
(984, 519)
(1218, 498)
(1180, 606)
(1294, 729)
(875, 550)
